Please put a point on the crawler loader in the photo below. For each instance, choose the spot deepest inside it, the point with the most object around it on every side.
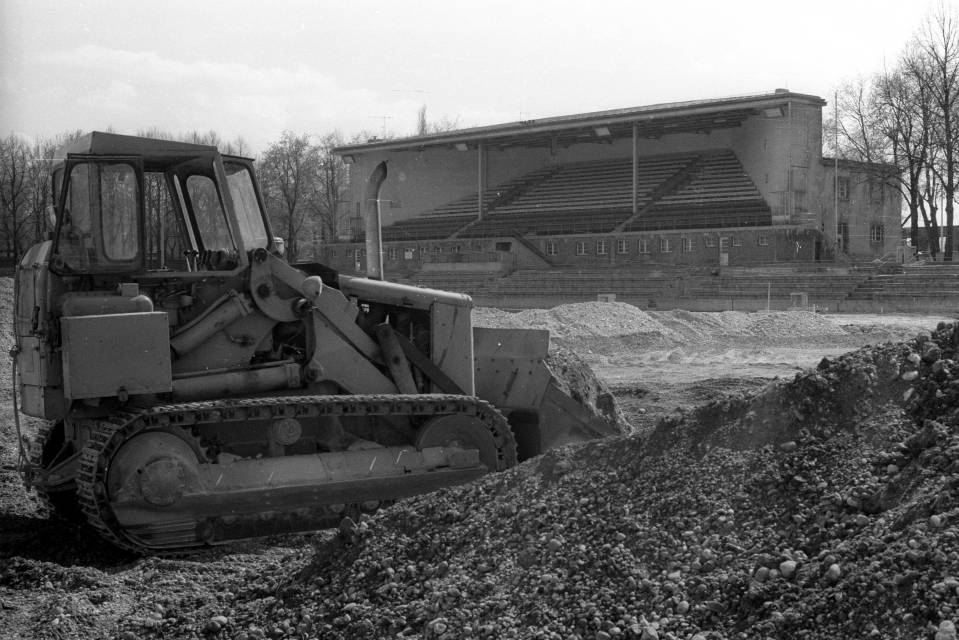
(196, 388)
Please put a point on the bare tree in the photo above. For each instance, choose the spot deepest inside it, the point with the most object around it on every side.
(287, 172)
(904, 118)
(425, 127)
(329, 196)
(938, 67)
(14, 192)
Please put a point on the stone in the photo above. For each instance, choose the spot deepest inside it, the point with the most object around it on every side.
(946, 630)
(787, 568)
(833, 573)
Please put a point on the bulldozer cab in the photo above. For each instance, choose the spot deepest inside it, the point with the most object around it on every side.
(126, 207)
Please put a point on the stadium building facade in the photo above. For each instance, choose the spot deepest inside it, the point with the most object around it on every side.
(732, 182)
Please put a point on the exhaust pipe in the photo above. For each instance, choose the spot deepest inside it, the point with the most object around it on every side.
(374, 238)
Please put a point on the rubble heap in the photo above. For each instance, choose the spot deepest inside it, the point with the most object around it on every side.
(823, 507)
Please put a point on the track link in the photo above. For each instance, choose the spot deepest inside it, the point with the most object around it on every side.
(108, 435)
(60, 504)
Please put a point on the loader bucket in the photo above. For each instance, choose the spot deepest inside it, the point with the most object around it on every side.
(552, 392)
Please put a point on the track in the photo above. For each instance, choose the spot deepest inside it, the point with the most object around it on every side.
(217, 516)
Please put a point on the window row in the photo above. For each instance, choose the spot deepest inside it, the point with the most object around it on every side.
(875, 189)
(393, 253)
(686, 244)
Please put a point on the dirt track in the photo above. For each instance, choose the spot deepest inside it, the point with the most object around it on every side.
(563, 546)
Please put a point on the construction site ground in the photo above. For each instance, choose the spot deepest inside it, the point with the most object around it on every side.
(772, 488)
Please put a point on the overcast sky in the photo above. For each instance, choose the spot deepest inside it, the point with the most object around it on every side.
(255, 68)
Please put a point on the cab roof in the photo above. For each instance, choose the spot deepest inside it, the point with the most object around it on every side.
(153, 151)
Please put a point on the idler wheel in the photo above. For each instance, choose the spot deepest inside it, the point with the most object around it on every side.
(154, 467)
(464, 432)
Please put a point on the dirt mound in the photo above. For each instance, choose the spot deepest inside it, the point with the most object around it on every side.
(579, 381)
(610, 327)
(815, 509)
(589, 323)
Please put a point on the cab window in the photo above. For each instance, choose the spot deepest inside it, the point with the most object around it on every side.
(99, 227)
(210, 217)
(249, 217)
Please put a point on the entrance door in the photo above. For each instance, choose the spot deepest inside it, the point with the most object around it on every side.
(724, 251)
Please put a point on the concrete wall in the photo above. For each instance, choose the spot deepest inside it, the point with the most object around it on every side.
(746, 246)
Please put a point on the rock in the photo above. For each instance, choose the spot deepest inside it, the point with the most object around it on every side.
(787, 568)
(833, 573)
(909, 376)
(946, 630)
(438, 627)
(789, 446)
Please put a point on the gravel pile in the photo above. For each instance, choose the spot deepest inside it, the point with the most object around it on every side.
(821, 507)
(611, 326)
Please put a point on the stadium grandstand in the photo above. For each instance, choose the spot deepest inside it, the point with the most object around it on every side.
(664, 204)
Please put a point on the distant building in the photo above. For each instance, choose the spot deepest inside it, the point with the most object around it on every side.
(729, 181)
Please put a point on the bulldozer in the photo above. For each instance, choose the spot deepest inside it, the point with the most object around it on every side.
(195, 388)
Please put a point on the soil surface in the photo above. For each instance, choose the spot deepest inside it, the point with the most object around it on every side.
(772, 488)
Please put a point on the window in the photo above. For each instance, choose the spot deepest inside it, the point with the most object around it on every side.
(842, 187)
(332, 253)
(762, 240)
(737, 241)
(877, 234)
(349, 253)
(252, 228)
(409, 253)
(455, 248)
(437, 249)
(391, 253)
(210, 218)
(168, 242)
(622, 245)
(875, 191)
(100, 226)
(642, 245)
(687, 244)
(664, 245)
(844, 237)
(550, 248)
(602, 247)
(580, 248)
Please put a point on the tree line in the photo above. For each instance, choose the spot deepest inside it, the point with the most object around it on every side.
(904, 122)
(304, 186)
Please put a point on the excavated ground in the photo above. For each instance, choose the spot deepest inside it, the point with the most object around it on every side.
(774, 488)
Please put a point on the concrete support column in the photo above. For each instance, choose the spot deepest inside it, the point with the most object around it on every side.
(635, 168)
(481, 179)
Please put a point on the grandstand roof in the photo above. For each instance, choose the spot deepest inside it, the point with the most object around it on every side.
(653, 121)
